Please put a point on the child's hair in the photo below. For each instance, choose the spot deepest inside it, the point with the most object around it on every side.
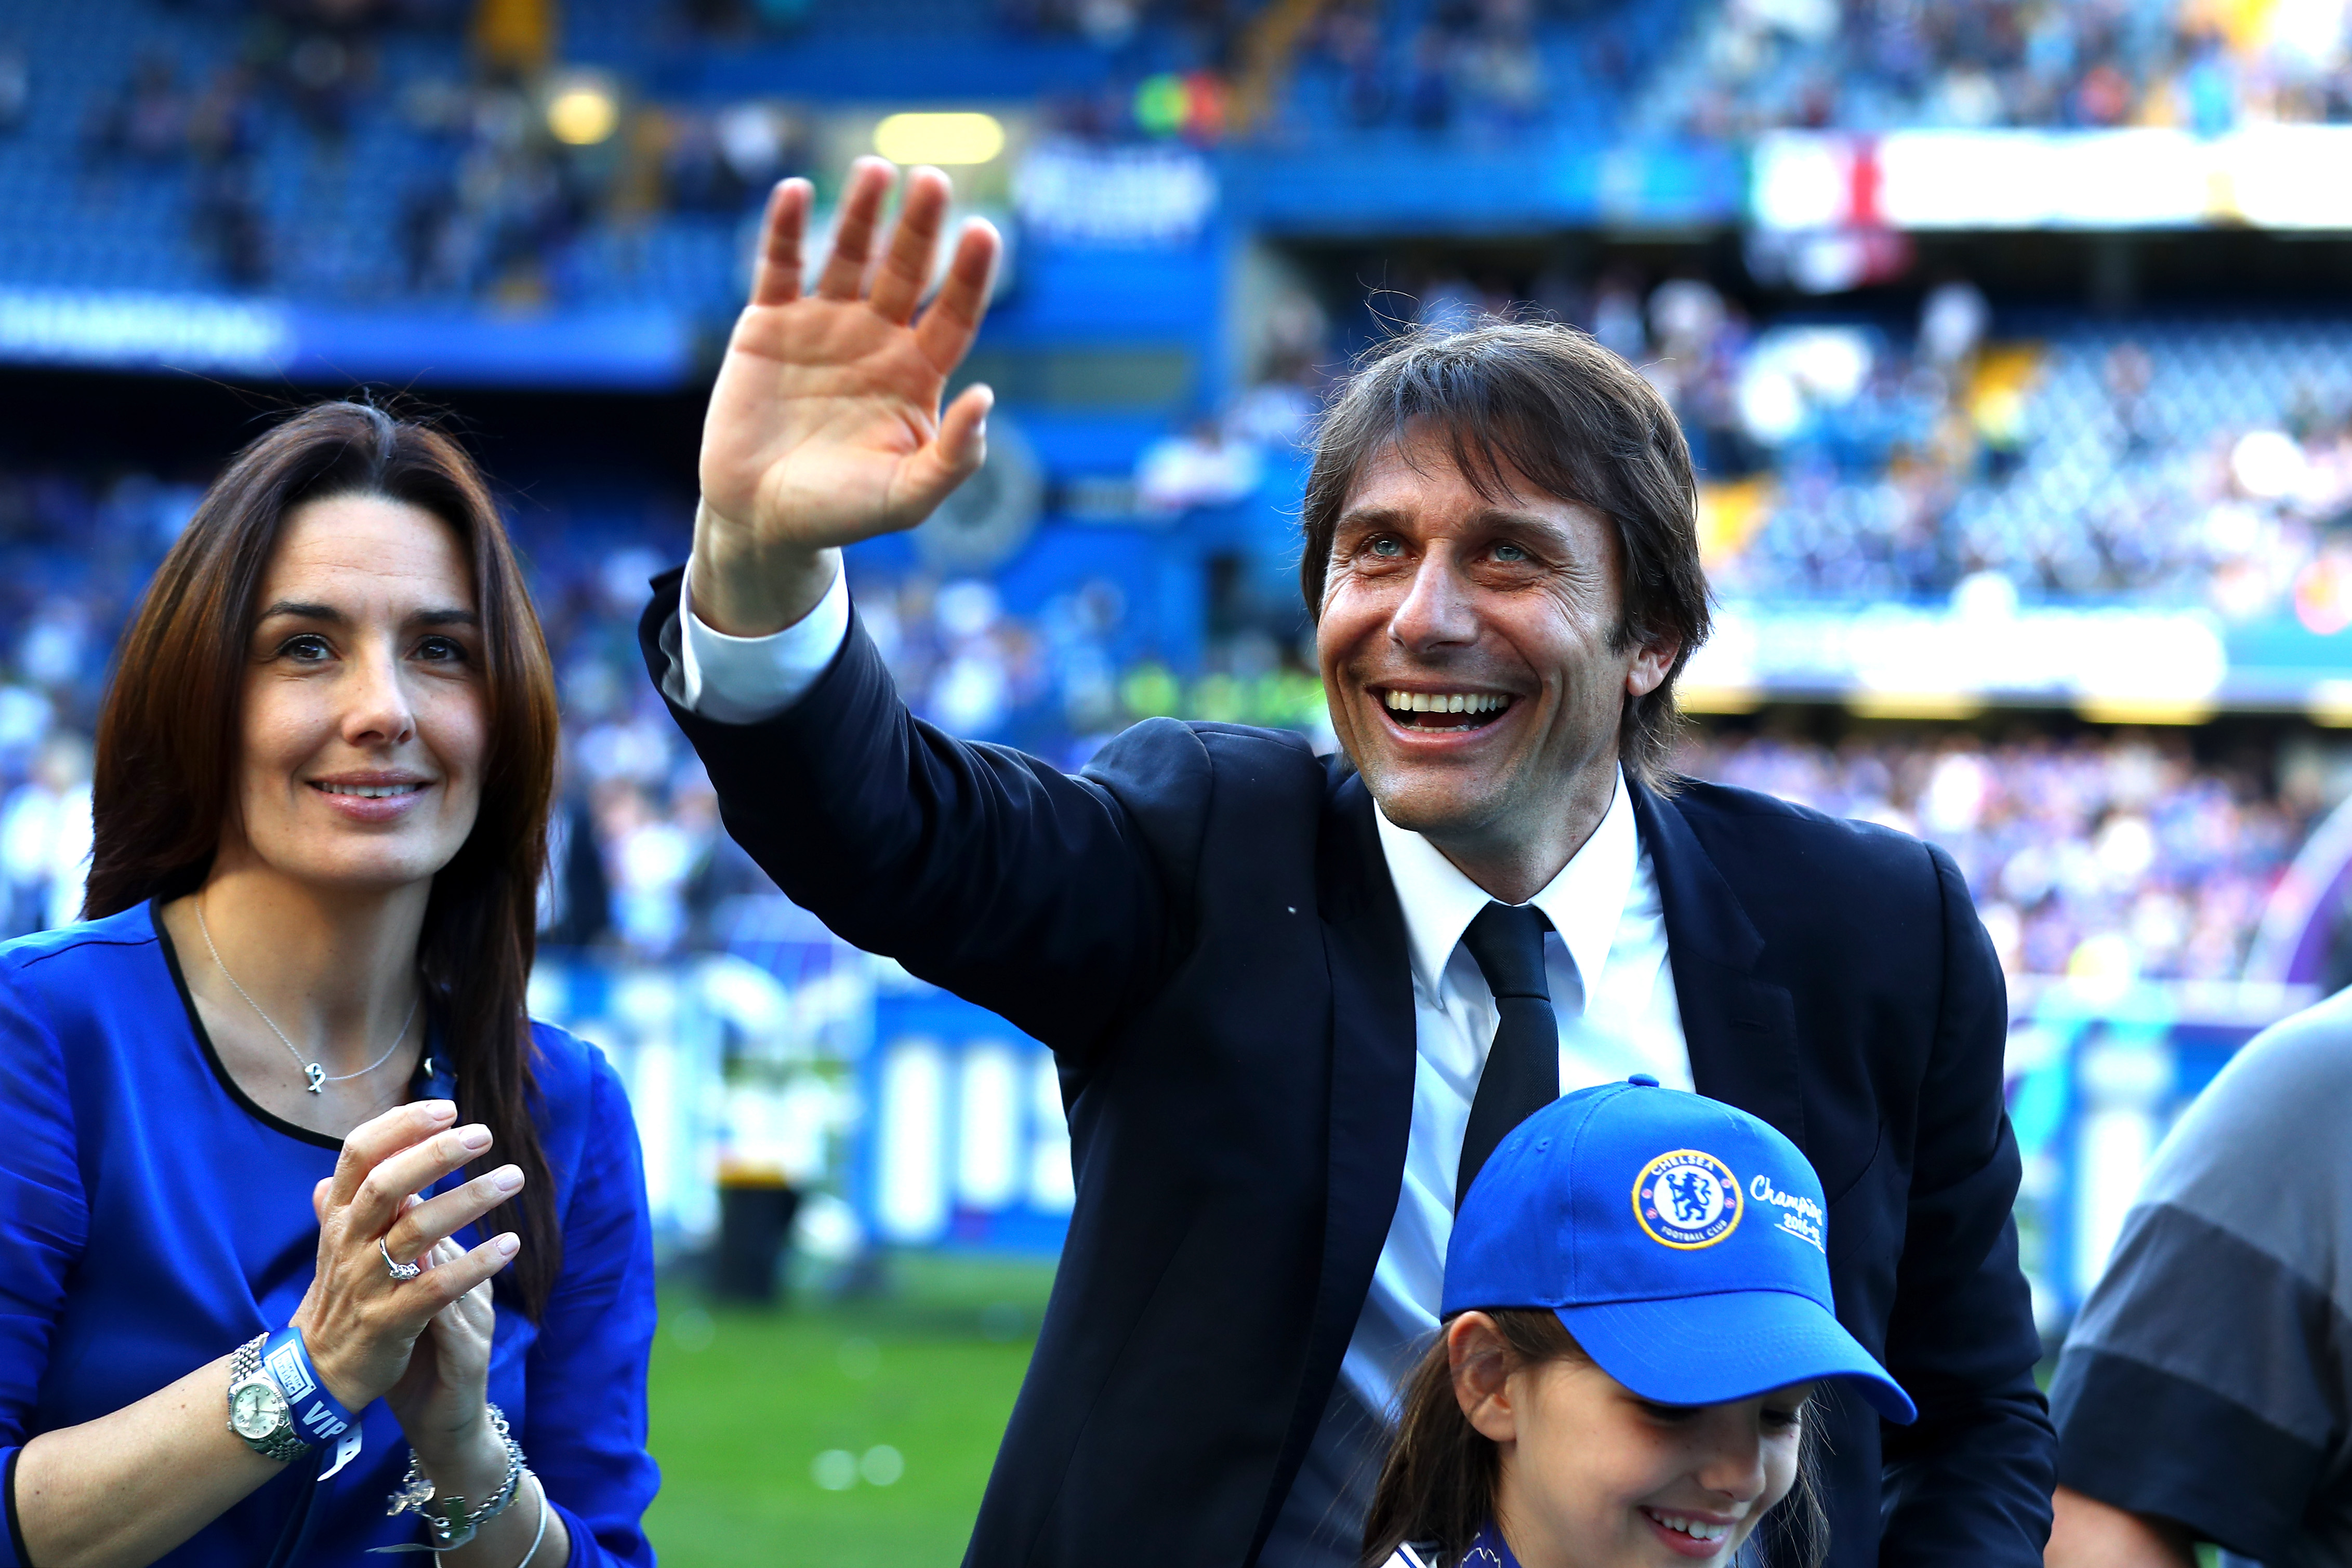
(1437, 1487)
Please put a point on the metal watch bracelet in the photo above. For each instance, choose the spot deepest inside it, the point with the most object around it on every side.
(447, 1520)
(284, 1440)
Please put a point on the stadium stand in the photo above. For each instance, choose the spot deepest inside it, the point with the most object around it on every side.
(2108, 447)
(1875, 65)
(2198, 461)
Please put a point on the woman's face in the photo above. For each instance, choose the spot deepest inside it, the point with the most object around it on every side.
(1592, 1475)
(365, 718)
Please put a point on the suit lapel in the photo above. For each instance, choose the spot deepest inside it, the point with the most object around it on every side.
(1741, 1031)
(1371, 1098)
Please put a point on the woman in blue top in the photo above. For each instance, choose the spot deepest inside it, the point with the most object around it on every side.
(312, 1242)
(1637, 1316)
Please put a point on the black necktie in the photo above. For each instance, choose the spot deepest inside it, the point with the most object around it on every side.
(1522, 1072)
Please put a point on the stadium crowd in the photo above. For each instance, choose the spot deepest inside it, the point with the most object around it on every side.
(2096, 854)
(2187, 462)
(2071, 846)
(1873, 64)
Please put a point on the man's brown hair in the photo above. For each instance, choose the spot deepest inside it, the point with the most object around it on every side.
(1582, 424)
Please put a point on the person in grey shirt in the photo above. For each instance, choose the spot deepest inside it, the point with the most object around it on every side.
(2205, 1393)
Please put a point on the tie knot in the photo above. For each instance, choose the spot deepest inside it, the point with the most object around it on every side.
(1507, 941)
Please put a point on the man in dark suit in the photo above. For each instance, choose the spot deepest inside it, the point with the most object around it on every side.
(1295, 999)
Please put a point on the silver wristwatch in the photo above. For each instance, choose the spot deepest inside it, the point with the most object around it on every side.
(258, 1409)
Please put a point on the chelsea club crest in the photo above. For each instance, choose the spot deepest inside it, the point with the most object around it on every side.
(1687, 1199)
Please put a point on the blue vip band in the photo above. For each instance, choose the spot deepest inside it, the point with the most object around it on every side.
(319, 1416)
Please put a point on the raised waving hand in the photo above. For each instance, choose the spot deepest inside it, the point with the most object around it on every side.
(824, 425)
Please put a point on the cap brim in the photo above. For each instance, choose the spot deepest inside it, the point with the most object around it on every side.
(1709, 1349)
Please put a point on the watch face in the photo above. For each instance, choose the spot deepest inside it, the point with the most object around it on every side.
(256, 1409)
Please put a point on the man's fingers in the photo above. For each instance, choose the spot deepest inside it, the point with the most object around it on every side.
(951, 456)
(853, 230)
(419, 1228)
(906, 269)
(373, 1142)
(946, 330)
(777, 280)
(377, 1203)
(962, 440)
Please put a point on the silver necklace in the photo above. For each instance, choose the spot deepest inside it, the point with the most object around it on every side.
(314, 1076)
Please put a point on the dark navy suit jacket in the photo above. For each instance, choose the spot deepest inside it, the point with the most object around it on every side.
(1201, 928)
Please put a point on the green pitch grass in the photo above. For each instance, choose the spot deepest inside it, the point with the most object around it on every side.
(744, 1403)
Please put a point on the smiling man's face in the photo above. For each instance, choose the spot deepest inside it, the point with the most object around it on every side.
(1470, 654)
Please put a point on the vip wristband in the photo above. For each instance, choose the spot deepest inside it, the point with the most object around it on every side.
(318, 1415)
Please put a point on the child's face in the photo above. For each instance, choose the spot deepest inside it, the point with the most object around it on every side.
(1593, 1476)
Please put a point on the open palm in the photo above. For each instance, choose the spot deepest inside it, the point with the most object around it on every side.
(824, 425)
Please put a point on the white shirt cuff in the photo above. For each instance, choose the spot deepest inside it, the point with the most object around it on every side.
(743, 680)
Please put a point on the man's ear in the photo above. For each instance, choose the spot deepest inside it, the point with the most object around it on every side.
(1481, 1364)
(1651, 662)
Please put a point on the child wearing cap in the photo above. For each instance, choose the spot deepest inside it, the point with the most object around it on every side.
(1636, 1312)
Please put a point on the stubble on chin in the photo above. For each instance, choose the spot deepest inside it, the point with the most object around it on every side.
(1443, 805)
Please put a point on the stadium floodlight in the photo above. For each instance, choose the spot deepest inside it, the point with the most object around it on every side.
(583, 112)
(943, 138)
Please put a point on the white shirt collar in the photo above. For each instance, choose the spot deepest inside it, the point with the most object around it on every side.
(1583, 903)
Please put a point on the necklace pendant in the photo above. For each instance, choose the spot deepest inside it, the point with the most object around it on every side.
(317, 1075)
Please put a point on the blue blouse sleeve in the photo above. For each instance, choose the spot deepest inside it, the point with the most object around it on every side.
(586, 1426)
(44, 1218)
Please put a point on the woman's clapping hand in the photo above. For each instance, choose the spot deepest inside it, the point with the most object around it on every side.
(441, 1397)
(362, 1325)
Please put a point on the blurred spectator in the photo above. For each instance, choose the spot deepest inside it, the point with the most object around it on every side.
(1953, 321)
(144, 119)
(1205, 466)
(230, 226)
(515, 201)
(1429, 91)
(44, 837)
(2101, 857)
(223, 121)
(575, 904)
(15, 86)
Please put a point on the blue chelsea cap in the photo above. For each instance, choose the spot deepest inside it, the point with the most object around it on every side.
(1682, 1242)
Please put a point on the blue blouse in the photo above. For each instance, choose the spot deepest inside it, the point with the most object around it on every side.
(152, 1218)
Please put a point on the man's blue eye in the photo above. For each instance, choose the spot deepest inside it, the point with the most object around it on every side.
(1387, 547)
(1509, 552)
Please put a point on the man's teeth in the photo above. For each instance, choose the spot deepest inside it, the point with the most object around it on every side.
(1445, 702)
(370, 791)
(1692, 1528)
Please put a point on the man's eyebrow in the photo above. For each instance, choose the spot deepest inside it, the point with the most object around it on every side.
(1511, 517)
(1485, 516)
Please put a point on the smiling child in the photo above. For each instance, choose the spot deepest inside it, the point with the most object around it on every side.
(1637, 1321)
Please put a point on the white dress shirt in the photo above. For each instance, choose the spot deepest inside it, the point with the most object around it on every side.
(743, 680)
(1608, 939)
(1607, 930)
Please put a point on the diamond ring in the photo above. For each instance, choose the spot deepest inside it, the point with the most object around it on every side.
(401, 1272)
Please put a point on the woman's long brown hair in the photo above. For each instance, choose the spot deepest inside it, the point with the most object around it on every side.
(1437, 1487)
(169, 741)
